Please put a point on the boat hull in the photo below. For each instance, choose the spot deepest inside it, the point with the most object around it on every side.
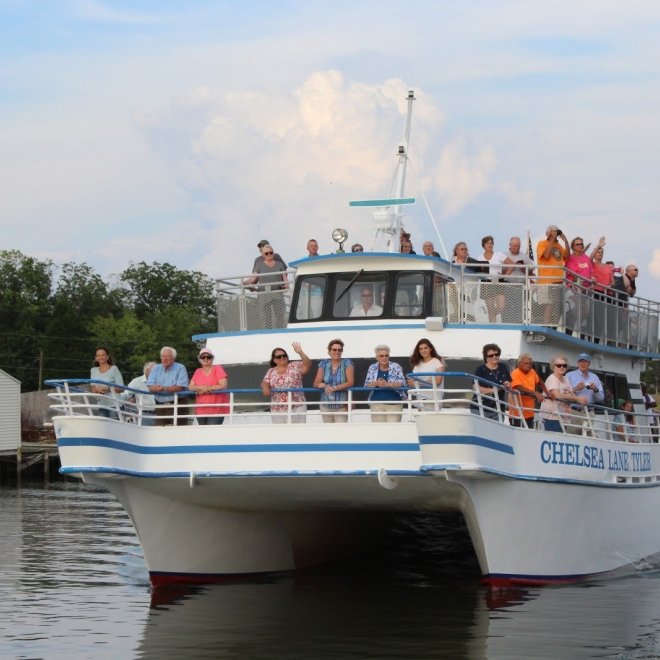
(211, 504)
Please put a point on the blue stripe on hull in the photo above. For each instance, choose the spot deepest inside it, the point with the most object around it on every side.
(237, 449)
(465, 440)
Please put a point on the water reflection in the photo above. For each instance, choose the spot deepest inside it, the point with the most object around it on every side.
(73, 584)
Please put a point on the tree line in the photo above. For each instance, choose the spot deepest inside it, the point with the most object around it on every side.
(52, 317)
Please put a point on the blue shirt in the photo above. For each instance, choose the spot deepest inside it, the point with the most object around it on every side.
(596, 395)
(175, 375)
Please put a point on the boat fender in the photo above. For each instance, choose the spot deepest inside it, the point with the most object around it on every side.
(387, 482)
(193, 480)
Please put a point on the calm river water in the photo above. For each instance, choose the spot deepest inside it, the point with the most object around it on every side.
(73, 584)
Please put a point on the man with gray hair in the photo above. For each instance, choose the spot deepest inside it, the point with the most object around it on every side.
(165, 380)
(521, 264)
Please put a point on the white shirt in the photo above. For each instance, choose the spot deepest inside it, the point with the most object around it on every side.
(145, 401)
(374, 310)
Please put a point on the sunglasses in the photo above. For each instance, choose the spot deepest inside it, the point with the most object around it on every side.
(267, 254)
(205, 357)
(337, 350)
(561, 366)
(281, 356)
(489, 355)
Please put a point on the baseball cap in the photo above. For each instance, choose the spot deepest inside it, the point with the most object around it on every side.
(584, 356)
(206, 351)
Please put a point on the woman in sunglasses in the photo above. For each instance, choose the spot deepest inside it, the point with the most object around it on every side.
(492, 396)
(207, 381)
(334, 376)
(286, 375)
(561, 396)
(271, 280)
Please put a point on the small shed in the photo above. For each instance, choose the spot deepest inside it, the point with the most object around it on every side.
(10, 412)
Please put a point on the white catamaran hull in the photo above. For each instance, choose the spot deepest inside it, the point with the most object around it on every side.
(214, 502)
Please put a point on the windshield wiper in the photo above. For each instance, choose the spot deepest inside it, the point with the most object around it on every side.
(350, 284)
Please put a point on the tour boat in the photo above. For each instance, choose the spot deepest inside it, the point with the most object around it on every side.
(216, 502)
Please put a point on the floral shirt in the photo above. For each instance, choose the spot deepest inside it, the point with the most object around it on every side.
(394, 374)
(291, 378)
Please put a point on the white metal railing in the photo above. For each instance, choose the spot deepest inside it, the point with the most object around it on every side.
(474, 298)
(248, 406)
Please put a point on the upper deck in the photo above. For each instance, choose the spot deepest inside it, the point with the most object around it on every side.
(406, 288)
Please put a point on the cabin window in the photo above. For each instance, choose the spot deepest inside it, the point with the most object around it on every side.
(359, 297)
(311, 295)
(409, 294)
(439, 307)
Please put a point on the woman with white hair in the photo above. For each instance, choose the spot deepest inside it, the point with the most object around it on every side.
(385, 377)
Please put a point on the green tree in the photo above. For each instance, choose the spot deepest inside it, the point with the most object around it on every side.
(25, 308)
(80, 297)
(150, 287)
(130, 340)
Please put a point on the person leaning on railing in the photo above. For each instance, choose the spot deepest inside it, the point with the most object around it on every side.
(385, 377)
(207, 381)
(335, 376)
(165, 380)
(561, 396)
(526, 383)
(492, 396)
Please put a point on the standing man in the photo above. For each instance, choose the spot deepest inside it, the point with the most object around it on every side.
(526, 382)
(587, 384)
(551, 256)
(522, 265)
(165, 380)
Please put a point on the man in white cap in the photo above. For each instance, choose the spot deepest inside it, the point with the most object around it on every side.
(587, 384)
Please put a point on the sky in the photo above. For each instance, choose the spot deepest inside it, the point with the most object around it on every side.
(186, 131)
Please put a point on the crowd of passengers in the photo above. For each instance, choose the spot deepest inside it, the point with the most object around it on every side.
(498, 393)
(556, 262)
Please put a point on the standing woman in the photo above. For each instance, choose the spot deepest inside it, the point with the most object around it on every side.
(561, 396)
(334, 376)
(495, 300)
(425, 359)
(104, 369)
(603, 280)
(494, 397)
(207, 381)
(385, 376)
(286, 375)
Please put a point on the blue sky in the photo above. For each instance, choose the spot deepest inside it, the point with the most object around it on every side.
(186, 131)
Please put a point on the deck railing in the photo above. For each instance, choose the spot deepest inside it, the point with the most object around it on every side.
(480, 299)
(248, 406)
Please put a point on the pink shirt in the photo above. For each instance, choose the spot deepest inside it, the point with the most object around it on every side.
(216, 374)
(582, 265)
(603, 275)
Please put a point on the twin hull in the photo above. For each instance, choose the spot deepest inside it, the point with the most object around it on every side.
(210, 502)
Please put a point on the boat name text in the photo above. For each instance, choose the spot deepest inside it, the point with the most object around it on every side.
(573, 453)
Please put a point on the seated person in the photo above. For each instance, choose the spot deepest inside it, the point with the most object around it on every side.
(367, 306)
